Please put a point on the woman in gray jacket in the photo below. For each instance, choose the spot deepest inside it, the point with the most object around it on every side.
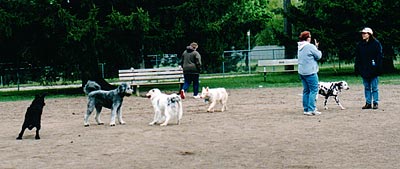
(191, 64)
(307, 55)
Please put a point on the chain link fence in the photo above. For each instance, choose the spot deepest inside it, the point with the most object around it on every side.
(245, 61)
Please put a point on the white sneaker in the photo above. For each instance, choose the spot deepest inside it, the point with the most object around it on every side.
(308, 113)
(316, 112)
(196, 97)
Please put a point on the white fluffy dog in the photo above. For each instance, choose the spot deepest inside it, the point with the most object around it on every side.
(213, 96)
(165, 107)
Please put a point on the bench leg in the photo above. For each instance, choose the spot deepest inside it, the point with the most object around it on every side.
(137, 91)
(265, 74)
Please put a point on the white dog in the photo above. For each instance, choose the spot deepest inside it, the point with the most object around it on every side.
(165, 106)
(328, 89)
(213, 96)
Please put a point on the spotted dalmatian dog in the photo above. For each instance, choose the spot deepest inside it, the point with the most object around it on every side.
(328, 89)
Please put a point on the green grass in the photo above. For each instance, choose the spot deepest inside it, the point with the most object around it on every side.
(228, 81)
(30, 94)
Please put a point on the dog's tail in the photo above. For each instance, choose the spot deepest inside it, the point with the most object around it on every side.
(91, 86)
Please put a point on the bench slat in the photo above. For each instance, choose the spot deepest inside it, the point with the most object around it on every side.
(151, 73)
(146, 83)
(150, 70)
(134, 78)
(280, 62)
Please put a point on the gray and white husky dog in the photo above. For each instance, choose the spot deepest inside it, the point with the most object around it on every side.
(112, 99)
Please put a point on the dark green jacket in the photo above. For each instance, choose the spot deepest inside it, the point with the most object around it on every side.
(191, 61)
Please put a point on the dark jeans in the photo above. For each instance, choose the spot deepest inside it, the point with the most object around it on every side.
(189, 78)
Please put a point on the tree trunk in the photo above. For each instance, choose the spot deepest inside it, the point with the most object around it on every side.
(289, 49)
(388, 65)
(90, 71)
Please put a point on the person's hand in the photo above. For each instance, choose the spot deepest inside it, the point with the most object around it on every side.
(316, 43)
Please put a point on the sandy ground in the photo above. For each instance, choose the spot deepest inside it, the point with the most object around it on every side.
(263, 128)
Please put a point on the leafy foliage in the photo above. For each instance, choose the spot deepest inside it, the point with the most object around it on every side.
(68, 35)
(336, 24)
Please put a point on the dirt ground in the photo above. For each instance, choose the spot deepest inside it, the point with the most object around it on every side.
(263, 128)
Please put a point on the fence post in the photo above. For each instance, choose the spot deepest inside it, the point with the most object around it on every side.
(223, 64)
(248, 55)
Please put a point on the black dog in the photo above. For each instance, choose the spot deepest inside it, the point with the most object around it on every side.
(97, 99)
(33, 116)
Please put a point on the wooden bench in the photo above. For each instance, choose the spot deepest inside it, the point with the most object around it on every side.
(152, 77)
(277, 62)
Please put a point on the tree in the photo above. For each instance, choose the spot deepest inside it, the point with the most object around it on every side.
(218, 25)
(104, 34)
(338, 34)
(62, 34)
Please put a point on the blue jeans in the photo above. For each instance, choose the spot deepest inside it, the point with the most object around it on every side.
(371, 91)
(189, 78)
(310, 91)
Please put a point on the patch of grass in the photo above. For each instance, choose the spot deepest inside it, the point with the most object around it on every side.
(30, 94)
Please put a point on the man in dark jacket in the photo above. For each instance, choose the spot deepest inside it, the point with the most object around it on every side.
(368, 64)
(191, 64)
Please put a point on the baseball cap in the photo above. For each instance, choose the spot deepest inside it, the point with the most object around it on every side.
(367, 30)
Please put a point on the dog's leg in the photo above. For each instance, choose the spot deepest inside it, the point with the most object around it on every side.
(22, 132)
(326, 100)
(223, 102)
(89, 111)
(98, 119)
(155, 118)
(338, 102)
(167, 117)
(113, 112)
(37, 137)
(211, 107)
(180, 112)
(119, 115)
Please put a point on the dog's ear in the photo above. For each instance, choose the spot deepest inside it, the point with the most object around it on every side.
(121, 88)
(340, 84)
